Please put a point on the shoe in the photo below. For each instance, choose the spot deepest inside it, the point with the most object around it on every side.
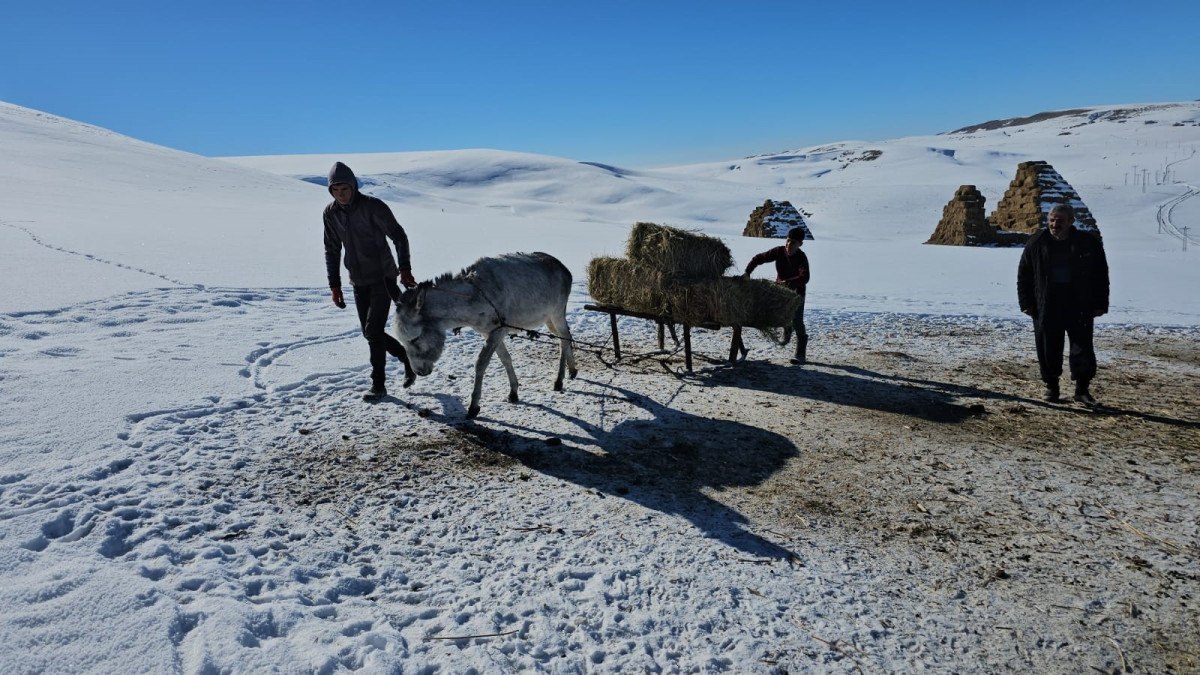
(798, 361)
(1052, 393)
(376, 393)
(1082, 395)
(409, 378)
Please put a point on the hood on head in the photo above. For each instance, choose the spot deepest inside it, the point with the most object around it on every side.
(340, 173)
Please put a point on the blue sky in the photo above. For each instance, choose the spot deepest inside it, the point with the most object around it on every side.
(633, 83)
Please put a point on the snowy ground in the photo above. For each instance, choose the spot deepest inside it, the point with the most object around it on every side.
(189, 481)
(897, 506)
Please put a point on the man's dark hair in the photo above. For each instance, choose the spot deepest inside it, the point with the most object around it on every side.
(796, 234)
(1065, 209)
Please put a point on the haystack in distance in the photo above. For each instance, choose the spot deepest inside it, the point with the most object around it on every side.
(775, 219)
(963, 223)
(678, 275)
(1034, 191)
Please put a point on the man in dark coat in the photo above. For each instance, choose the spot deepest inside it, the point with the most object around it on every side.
(363, 225)
(1062, 282)
(791, 270)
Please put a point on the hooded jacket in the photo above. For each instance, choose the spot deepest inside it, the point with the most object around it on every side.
(1088, 289)
(363, 228)
(791, 271)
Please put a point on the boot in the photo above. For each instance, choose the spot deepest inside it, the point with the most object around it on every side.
(377, 392)
(1082, 395)
(801, 356)
(1052, 393)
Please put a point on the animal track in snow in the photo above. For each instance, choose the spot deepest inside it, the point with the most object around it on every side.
(41, 242)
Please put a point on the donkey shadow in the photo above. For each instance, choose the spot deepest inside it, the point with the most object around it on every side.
(662, 463)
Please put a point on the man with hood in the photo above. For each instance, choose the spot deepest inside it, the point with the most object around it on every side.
(363, 224)
(791, 270)
(1062, 282)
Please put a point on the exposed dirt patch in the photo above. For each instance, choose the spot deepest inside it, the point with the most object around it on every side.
(915, 451)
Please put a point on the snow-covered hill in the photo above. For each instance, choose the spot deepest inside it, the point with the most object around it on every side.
(850, 187)
(157, 215)
(872, 204)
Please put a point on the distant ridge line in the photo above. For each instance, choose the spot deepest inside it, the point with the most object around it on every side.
(1019, 121)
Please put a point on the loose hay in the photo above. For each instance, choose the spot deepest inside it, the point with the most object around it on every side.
(677, 253)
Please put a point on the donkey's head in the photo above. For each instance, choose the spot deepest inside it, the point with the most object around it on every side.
(421, 336)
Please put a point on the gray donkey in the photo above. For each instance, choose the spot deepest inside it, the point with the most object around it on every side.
(495, 296)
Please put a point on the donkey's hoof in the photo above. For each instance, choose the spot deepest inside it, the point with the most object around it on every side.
(558, 385)
(409, 378)
(512, 396)
(473, 412)
(574, 372)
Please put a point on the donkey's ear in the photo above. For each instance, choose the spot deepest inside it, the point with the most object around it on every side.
(419, 297)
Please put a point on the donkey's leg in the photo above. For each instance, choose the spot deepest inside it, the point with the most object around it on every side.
(485, 355)
(562, 355)
(506, 359)
(566, 351)
(568, 346)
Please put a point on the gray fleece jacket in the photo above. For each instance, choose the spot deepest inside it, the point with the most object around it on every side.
(362, 228)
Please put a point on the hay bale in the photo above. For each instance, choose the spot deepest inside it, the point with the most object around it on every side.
(678, 254)
(733, 301)
(756, 303)
(621, 282)
(727, 301)
(693, 304)
(677, 275)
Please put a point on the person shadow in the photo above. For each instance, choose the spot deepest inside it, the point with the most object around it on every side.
(931, 400)
(659, 457)
(846, 385)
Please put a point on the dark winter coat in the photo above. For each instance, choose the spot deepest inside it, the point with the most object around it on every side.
(363, 228)
(791, 271)
(1088, 289)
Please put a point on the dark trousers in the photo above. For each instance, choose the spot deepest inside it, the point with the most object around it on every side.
(373, 302)
(801, 332)
(1049, 336)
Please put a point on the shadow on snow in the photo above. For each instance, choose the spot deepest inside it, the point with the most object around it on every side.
(663, 463)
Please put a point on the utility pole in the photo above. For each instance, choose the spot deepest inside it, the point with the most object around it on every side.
(1184, 230)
